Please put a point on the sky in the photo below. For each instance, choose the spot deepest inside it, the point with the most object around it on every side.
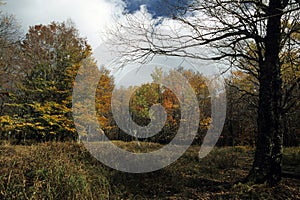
(158, 8)
(91, 17)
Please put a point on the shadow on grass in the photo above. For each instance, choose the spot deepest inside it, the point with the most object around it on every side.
(163, 185)
(68, 171)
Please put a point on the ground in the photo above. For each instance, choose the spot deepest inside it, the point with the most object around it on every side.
(68, 171)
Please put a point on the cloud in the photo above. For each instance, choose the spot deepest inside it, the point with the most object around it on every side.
(129, 36)
(90, 16)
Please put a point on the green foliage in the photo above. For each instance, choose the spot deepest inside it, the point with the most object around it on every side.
(151, 94)
(41, 106)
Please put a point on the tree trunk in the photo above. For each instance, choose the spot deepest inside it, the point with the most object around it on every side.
(268, 156)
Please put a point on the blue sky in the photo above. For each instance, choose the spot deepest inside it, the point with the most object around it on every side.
(158, 8)
(92, 17)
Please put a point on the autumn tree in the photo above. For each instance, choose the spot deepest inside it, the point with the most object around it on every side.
(245, 83)
(121, 99)
(10, 36)
(227, 28)
(243, 87)
(52, 55)
(150, 94)
(91, 101)
(10, 73)
(242, 101)
(103, 100)
(290, 71)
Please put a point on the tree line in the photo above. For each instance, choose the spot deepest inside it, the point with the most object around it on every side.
(258, 39)
(38, 71)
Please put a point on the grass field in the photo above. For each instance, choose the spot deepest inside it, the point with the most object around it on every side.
(67, 171)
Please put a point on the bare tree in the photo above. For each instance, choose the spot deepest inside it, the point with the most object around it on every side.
(9, 55)
(248, 34)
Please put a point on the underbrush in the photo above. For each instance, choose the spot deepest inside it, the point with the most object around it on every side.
(291, 159)
(68, 171)
(51, 171)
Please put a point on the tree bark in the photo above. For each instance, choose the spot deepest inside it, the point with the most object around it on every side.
(268, 156)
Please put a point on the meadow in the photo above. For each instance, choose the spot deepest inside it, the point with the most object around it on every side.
(68, 171)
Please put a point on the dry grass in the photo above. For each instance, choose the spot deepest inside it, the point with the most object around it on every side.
(67, 171)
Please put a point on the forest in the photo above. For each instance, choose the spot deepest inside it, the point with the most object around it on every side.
(38, 70)
(36, 92)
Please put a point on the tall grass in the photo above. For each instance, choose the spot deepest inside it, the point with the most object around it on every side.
(51, 171)
(68, 171)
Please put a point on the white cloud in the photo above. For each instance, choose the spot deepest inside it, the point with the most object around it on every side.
(90, 16)
(130, 34)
